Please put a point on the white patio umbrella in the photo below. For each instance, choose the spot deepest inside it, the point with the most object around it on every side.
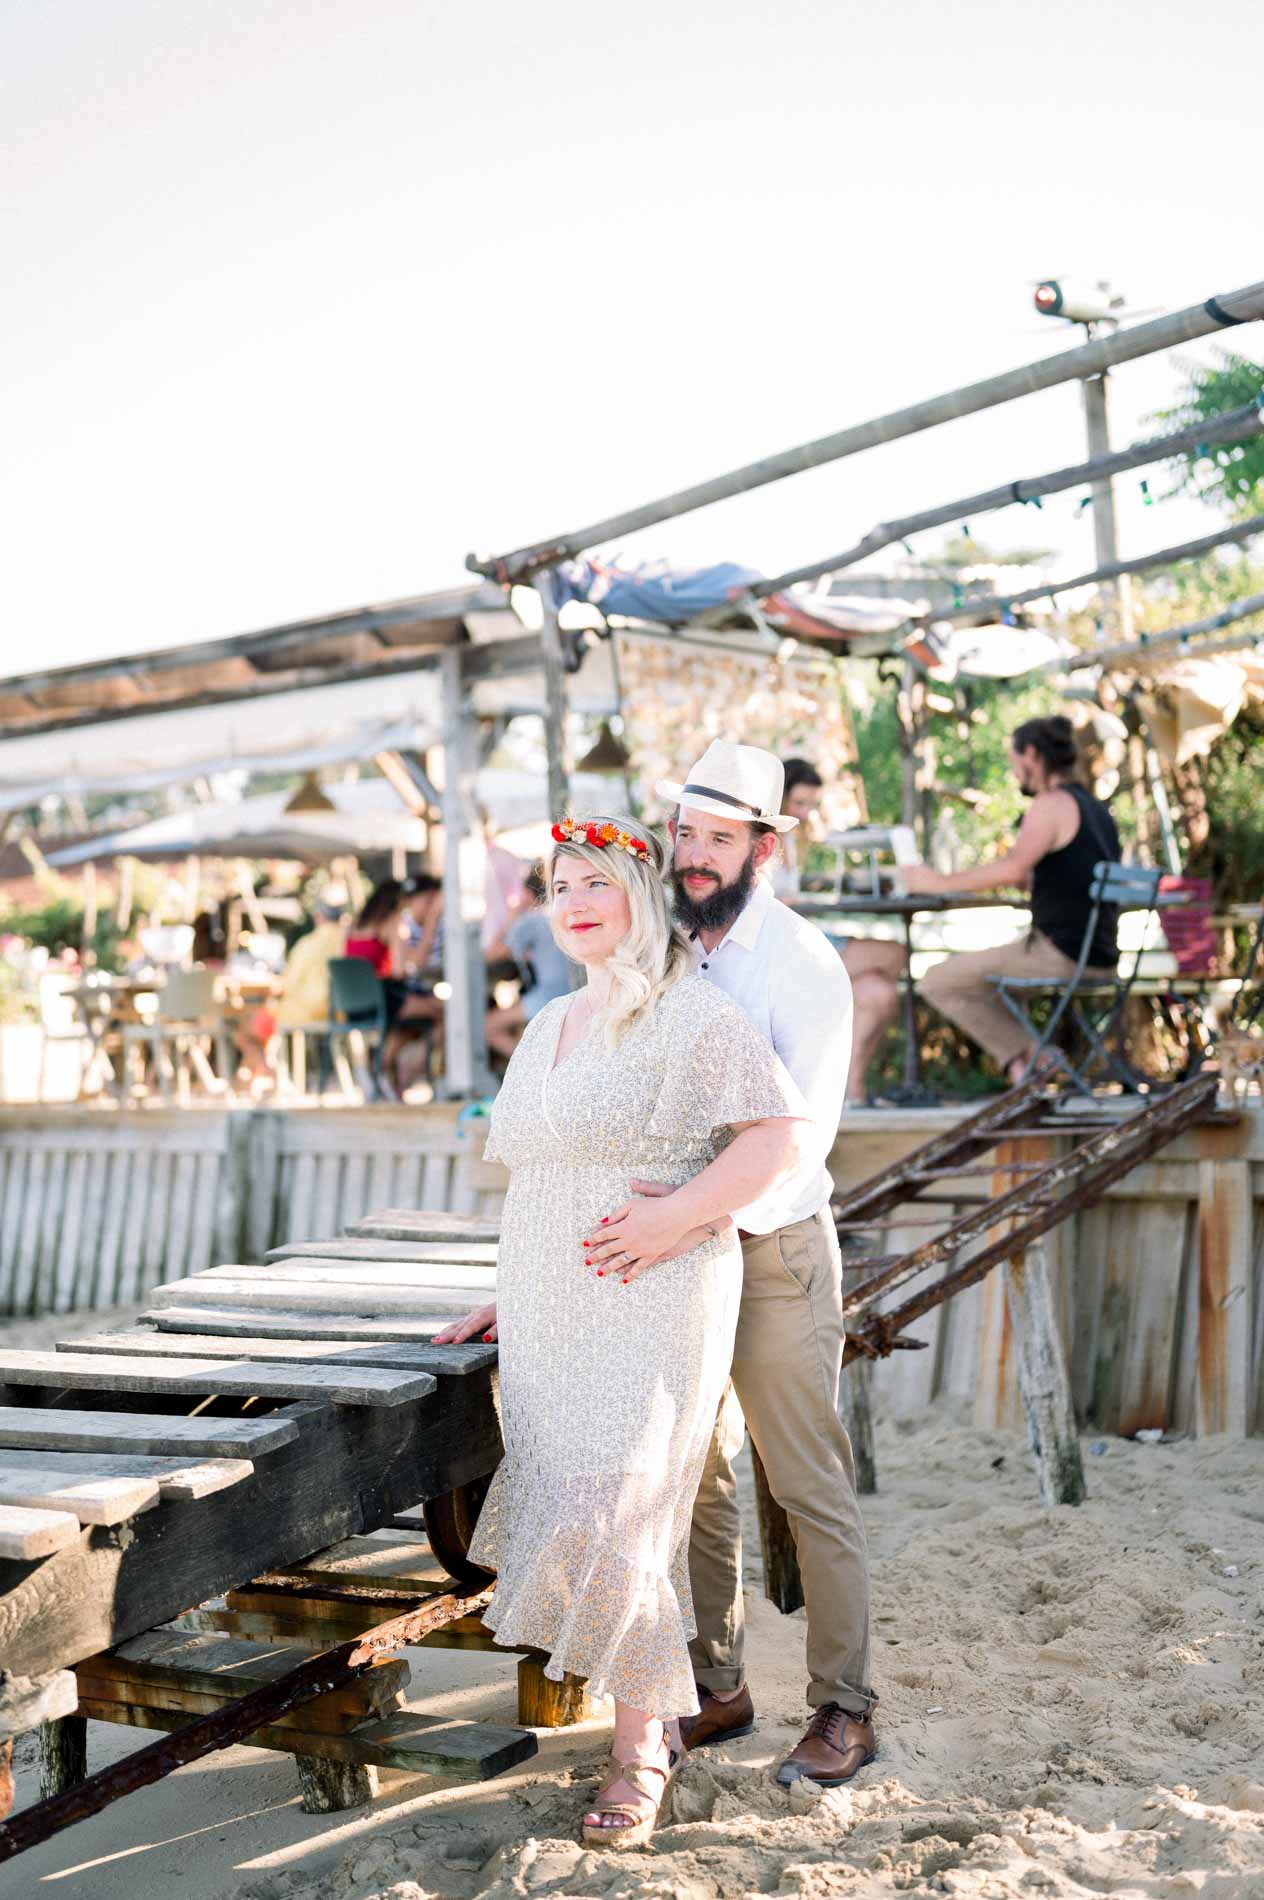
(369, 818)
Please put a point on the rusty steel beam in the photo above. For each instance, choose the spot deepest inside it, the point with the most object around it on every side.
(1086, 1173)
(317, 1675)
(976, 1134)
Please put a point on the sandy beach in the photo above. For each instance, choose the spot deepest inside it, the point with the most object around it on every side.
(1072, 1705)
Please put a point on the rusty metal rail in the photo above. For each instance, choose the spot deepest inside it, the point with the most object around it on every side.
(1060, 1188)
(327, 1670)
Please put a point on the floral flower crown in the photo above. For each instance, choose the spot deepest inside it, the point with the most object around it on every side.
(568, 829)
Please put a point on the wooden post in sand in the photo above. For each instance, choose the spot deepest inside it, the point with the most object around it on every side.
(63, 1746)
(1042, 1378)
(782, 1583)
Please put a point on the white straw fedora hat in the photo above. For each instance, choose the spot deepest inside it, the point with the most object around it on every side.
(733, 781)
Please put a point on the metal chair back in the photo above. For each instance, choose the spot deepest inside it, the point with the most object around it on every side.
(188, 996)
(356, 993)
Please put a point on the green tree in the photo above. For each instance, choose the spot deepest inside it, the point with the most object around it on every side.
(1231, 478)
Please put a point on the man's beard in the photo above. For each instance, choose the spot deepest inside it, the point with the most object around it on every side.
(717, 910)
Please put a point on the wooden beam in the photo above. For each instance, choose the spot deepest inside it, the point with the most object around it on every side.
(27, 1534)
(453, 1252)
(212, 1320)
(402, 1223)
(1225, 1272)
(1120, 346)
(90, 1500)
(200, 1378)
(349, 1298)
(148, 1433)
(175, 1482)
(406, 1358)
(338, 1471)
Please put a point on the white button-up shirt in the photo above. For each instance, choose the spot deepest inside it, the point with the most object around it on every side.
(786, 976)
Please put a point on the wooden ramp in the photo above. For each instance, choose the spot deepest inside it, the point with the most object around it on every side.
(258, 1417)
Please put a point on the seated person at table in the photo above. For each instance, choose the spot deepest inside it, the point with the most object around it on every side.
(873, 965)
(305, 980)
(1064, 833)
(546, 973)
(375, 932)
(410, 996)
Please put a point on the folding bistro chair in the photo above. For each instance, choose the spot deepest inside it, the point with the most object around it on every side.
(357, 1003)
(1092, 1007)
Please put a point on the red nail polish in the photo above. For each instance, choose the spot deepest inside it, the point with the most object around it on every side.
(601, 1273)
(605, 1220)
(625, 1283)
(487, 1338)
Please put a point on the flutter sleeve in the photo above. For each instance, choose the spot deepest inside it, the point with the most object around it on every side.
(719, 1071)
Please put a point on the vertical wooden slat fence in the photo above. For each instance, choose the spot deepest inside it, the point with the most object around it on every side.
(1159, 1289)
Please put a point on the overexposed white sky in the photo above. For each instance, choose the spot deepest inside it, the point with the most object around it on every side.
(302, 301)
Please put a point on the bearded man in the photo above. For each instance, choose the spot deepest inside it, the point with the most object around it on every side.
(787, 978)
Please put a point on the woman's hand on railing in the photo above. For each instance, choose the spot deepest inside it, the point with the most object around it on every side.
(481, 1323)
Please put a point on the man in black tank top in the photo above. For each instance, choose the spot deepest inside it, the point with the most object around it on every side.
(1065, 832)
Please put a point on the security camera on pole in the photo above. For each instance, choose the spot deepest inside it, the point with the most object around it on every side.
(1097, 308)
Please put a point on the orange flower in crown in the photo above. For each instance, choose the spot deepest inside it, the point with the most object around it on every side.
(567, 830)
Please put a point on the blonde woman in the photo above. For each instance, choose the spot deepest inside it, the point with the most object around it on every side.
(613, 1362)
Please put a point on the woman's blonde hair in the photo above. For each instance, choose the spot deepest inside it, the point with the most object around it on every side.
(655, 952)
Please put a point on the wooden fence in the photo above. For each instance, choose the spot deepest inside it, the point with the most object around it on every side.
(98, 1207)
(1160, 1288)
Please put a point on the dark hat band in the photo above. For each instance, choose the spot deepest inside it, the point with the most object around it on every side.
(725, 798)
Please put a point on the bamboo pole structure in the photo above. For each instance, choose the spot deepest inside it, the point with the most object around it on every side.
(1122, 346)
(1151, 645)
(1236, 425)
(971, 604)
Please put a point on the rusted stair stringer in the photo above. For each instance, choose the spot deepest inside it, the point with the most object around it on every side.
(1076, 1180)
(1049, 1194)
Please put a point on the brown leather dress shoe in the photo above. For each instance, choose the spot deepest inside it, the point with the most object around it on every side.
(836, 1745)
(718, 1720)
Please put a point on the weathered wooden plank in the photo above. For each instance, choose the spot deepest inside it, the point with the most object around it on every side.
(317, 1271)
(203, 1201)
(280, 1323)
(381, 1183)
(107, 1282)
(1153, 1310)
(175, 1481)
(299, 1176)
(1225, 1285)
(429, 1222)
(1042, 1378)
(353, 1299)
(406, 1357)
(455, 1751)
(436, 1180)
(177, 1241)
(410, 1172)
(400, 1560)
(83, 1291)
(26, 1252)
(26, 1701)
(324, 1212)
(351, 1469)
(12, 1210)
(355, 1177)
(142, 1432)
(43, 1290)
(450, 1252)
(331, 1787)
(90, 1500)
(64, 1262)
(168, 1668)
(134, 1372)
(26, 1534)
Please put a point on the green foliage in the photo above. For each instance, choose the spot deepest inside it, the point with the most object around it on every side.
(1233, 778)
(58, 926)
(1231, 478)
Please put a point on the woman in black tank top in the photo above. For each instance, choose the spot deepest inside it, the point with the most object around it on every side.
(1060, 885)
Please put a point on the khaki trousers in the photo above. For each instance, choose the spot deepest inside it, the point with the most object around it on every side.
(958, 988)
(786, 1365)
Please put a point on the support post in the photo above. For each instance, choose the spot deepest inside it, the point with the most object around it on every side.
(1105, 533)
(330, 1787)
(63, 1746)
(1226, 1330)
(855, 1392)
(543, 1703)
(466, 1068)
(554, 699)
(783, 1584)
(1042, 1378)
